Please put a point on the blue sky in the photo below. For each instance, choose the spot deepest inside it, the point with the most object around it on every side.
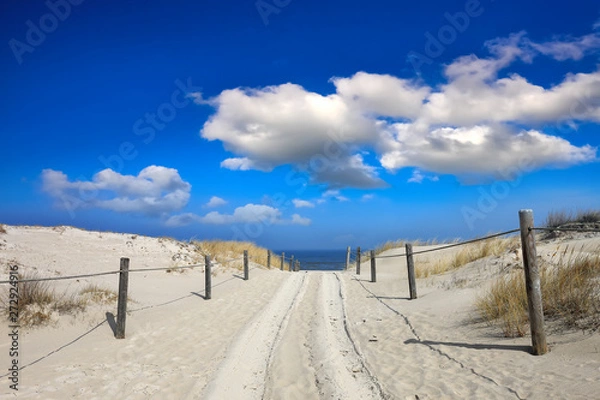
(298, 123)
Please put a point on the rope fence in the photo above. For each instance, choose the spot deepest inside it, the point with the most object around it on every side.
(526, 230)
(124, 271)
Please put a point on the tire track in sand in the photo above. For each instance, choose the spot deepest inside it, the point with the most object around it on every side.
(343, 373)
(316, 358)
(242, 373)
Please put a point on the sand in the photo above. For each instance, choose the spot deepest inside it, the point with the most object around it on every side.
(279, 335)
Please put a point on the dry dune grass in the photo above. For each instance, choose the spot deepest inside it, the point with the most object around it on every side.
(97, 294)
(467, 254)
(570, 295)
(230, 253)
(40, 304)
(563, 217)
(2, 229)
(390, 244)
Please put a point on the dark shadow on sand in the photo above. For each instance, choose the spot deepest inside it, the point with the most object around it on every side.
(387, 297)
(110, 318)
(199, 295)
(476, 346)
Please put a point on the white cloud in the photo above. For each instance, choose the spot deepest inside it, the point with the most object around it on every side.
(419, 177)
(298, 203)
(239, 163)
(569, 48)
(382, 94)
(334, 194)
(247, 213)
(483, 150)
(286, 124)
(183, 219)
(215, 202)
(250, 213)
(474, 95)
(596, 25)
(155, 190)
(475, 123)
(298, 220)
(367, 197)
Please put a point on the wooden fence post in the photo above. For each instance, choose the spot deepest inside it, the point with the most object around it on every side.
(373, 267)
(291, 263)
(207, 278)
(246, 265)
(268, 259)
(412, 283)
(532, 283)
(348, 257)
(282, 260)
(122, 304)
(297, 265)
(358, 260)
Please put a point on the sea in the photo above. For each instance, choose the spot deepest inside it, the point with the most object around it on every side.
(318, 260)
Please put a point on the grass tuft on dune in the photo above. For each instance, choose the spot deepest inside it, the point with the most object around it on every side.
(40, 304)
(230, 253)
(559, 218)
(570, 295)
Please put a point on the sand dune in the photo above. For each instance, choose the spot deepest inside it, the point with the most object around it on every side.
(280, 335)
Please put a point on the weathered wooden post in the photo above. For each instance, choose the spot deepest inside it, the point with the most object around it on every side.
(291, 263)
(412, 283)
(358, 260)
(207, 278)
(268, 259)
(122, 303)
(297, 265)
(373, 267)
(246, 265)
(282, 260)
(532, 283)
(348, 257)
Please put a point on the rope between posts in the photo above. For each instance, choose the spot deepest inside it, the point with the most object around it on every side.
(391, 256)
(164, 269)
(450, 245)
(467, 242)
(62, 278)
(565, 229)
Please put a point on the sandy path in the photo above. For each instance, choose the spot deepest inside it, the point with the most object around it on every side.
(243, 371)
(298, 347)
(341, 371)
